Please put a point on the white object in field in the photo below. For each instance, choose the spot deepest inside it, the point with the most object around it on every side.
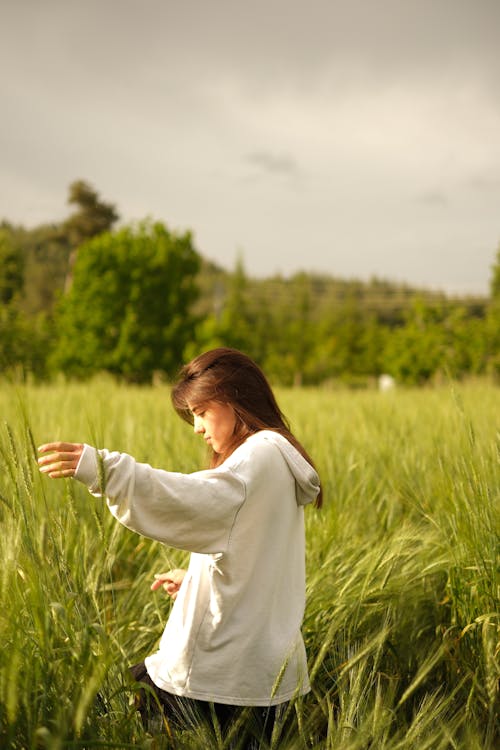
(386, 382)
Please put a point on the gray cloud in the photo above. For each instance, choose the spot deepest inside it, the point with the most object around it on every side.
(273, 163)
(433, 199)
(485, 183)
(155, 103)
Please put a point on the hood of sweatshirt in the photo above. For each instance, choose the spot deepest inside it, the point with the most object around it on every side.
(307, 483)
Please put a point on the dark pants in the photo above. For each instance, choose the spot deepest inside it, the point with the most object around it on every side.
(186, 713)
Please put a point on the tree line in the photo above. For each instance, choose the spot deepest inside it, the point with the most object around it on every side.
(82, 296)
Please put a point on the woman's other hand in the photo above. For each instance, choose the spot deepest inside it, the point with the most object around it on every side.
(170, 581)
(61, 459)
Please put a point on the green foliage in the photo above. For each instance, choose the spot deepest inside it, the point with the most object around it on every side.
(305, 329)
(91, 217)
(241, 317)
(402, 626)
(495, 279)
(45, 252)
(11, 268)
(40, 259)
(436, 341)
(24, 339)
(415, 351)
(128, 310)
(24, 344)
(493, 322)
(310, 330)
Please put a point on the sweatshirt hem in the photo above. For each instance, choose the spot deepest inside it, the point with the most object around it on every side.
(232, 700)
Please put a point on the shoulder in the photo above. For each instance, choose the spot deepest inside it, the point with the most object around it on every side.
(263, 448)
(267, 456)
(264, 440)
(267, 440)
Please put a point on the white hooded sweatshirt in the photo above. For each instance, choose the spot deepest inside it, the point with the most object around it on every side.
(233, 635)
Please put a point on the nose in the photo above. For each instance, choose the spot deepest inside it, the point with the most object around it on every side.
(198, 426)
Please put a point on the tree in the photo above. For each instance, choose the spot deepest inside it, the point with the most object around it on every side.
(493, 321)
(289, 333)
(495, 279)
(419, 350)
(129, 307)
(231, 322)
(11, 268)
(45, 251)
(92, 217)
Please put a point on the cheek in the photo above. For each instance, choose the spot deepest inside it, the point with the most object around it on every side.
(229, 424)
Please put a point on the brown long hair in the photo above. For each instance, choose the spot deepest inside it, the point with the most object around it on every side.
(228, 376)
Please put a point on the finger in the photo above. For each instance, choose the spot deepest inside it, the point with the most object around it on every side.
(43, 460)
(177, 574)
(58, 459)
(61, 474)
(64, 468)
(58, 446)
(160, 580)
(164, 576)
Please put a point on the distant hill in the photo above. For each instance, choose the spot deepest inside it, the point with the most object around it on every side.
(385, 300)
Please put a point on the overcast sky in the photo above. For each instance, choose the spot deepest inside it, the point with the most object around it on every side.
(356, 138)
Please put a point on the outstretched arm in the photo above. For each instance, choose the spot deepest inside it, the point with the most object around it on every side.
(194, 512)
(61, 459)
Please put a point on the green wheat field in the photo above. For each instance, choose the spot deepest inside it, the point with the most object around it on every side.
(402, 624)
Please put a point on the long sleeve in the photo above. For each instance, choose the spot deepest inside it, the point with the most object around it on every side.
(195, 512)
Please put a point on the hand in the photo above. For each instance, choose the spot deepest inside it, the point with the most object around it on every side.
(170, 581)
(62, 459)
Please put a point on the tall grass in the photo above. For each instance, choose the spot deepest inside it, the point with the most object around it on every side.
(402, 621)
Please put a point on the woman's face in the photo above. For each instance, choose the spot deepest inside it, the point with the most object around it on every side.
(216, 423)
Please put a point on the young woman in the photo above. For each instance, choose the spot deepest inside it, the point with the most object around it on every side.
(233, 637)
